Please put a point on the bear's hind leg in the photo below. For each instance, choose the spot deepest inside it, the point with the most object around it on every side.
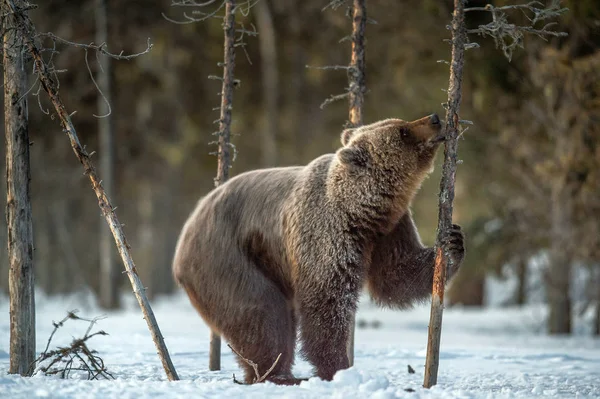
(263, 329)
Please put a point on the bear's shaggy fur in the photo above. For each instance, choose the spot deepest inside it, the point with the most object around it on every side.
(274, 248)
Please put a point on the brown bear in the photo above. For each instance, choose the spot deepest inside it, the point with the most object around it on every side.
(274, 248)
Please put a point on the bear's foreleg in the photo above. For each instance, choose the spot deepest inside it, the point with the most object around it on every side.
(401, 270)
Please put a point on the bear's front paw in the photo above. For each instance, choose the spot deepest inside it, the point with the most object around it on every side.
(454, 246)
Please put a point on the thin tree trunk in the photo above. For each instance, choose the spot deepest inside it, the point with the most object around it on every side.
(18, 203)
(558, 281)
(27, 31)
(224, 154)
(109, 272)
(356, 72)
(521, 294)
(357, 88)
(446, 196)
(270, 81)
(596, 320)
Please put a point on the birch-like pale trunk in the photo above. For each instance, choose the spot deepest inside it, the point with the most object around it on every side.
(356, 81)
(26, 30)
(21, 278)
(224, 152)
(446, 197)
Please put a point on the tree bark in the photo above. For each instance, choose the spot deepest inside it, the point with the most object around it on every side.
(109, 272)
(26, 30)
(558, 279)
(521, 294)
(18, 202)
(270, 81)
(357, 88)
(356, 71)
(446, 196)
(224, 154)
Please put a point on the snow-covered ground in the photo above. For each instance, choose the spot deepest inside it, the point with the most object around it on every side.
(491, 353)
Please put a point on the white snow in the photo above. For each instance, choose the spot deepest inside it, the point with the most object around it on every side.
(488, 353)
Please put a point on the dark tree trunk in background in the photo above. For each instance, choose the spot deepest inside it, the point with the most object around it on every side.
(357, 88)
(521, 293)
(446, 196)
(467, 290)
(270, 81)
(224, 153)
(558, 279)
(596, 295)
(109, 272)
(18, 202)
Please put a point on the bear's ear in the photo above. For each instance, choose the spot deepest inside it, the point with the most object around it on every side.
(355, 156)
(347, 135)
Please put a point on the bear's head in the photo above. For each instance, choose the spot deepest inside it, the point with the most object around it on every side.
(387, 159)
(392, 145)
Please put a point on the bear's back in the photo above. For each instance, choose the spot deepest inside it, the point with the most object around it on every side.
(235, 222)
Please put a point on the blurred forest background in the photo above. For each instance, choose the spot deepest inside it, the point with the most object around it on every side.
(527, 193)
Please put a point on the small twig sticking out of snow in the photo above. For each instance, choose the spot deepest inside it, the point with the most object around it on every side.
(258, 378)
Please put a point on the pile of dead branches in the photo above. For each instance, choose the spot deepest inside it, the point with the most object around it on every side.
(75, 359)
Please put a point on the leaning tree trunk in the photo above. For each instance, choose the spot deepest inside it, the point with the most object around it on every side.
(18, 204)
(446, 196)
(356, 99)
(224, 152)
(26, 30)
(109, 272)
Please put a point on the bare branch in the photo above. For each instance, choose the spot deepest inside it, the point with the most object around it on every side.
(252, 364)
(508, 36)
(333, 67)
(101, 48)
(334, 98)
(62, 360)
(87, 64)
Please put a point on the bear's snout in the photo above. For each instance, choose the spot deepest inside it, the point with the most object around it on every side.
(434, 119)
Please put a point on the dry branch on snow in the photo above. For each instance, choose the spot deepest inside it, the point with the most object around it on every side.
(65, 360)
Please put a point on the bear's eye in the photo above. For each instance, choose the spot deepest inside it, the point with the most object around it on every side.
(404, 132)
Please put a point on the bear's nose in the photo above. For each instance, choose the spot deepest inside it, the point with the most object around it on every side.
(434, 119)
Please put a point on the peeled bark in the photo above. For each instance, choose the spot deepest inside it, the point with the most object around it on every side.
(18, 203)
(446, 196)
(224, 153)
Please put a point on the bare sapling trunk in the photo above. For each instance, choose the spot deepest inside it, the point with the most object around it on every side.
(109, 272)
(446, 197)
(558, 278)
(18, 204)
(26, 30)
(224, 151)
(357, 88)
(270, 81)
